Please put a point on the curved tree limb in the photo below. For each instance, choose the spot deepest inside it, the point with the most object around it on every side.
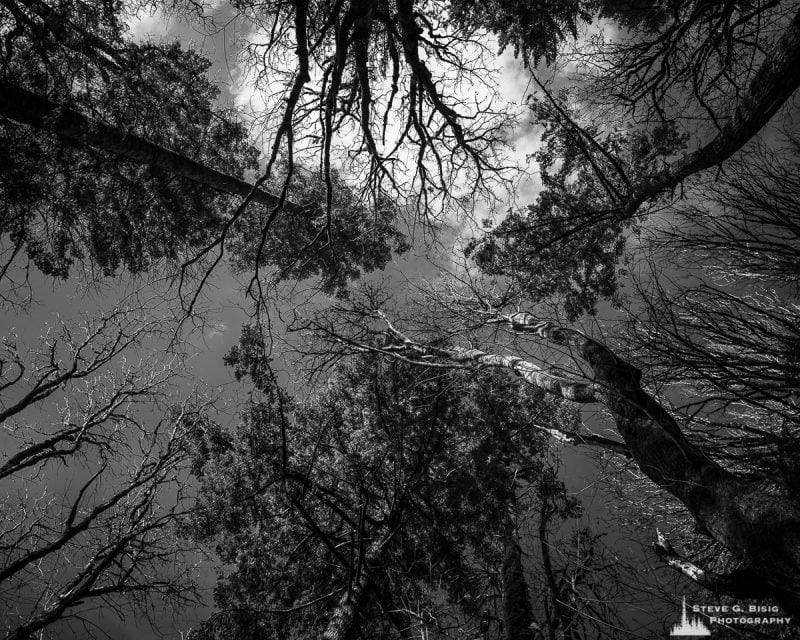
(589, 439)
(741, 583)
(774, 83)
(574, 390)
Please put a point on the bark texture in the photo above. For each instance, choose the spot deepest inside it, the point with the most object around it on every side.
(558, 385)
(759, 527)
(576, 391)
(742, 583)
(342, 621)
(344, 615)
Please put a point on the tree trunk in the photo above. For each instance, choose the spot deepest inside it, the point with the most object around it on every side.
(761, 528)
(517, 611)
(28, 108)
(343, 617)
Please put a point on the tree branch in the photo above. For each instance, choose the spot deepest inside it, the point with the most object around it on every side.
(774, 83)
(741, 583)
(589, 439)
(559, 385)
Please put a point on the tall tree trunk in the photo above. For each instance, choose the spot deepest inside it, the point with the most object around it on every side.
(36, 111)
(560, 617)
(343, 618)
(761, 528)
(517, 611)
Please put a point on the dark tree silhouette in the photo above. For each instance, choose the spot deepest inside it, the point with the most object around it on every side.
(400, 482)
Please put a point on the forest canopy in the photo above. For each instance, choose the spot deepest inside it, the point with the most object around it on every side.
(478, 253)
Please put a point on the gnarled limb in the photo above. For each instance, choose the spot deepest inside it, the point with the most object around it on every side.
(574, 390)
(741, 583)
(589, 439)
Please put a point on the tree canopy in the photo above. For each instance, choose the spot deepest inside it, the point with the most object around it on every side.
(396, 457)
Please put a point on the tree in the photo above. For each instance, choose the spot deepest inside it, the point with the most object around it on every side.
(318, 475)
(715, 315)
(395, 485)
(125, 160)
(755, 524)
(90, 475)
(732, 355)
(730, 67)
(681, 88)
(368, 84)
(65, 202)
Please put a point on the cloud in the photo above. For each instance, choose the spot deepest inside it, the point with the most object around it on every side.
(149, 26)
(215, 330)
